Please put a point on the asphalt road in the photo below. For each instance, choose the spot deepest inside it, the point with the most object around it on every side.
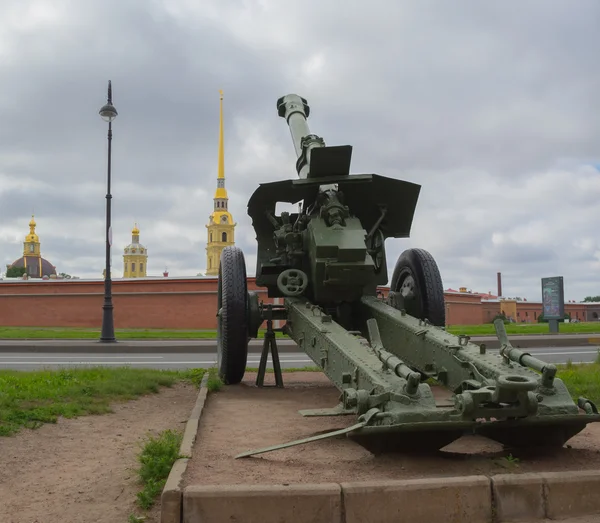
(173, 360)
(208, 346)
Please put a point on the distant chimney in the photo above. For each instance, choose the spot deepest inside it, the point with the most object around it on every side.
(499, 285)
(166, 272)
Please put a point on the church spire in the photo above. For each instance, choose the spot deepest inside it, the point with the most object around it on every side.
(221, 140)
(221, 193)
(221, 226)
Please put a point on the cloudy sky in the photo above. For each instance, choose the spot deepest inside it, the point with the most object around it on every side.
(491, 106)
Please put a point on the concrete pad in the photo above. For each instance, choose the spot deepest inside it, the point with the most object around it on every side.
(171, 498)
(572, 493)
(320, 503)
(452, 500)
(518, 497)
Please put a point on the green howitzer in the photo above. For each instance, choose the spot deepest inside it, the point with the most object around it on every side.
(327, 262)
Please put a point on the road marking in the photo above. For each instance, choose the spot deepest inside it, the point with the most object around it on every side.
(84, 356)
(78, 356)
(156, 359)
(194, 362)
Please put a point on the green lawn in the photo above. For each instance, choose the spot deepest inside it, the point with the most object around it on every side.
(582, 380)
(487, 329)
(29, 399)
(22, 333)
(15, 333)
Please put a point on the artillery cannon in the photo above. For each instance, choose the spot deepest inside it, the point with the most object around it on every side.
(327, 261)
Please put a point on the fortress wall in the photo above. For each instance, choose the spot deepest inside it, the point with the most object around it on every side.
(184, 303)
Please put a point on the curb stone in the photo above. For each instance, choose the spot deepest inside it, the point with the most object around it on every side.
(171, 501)
(503, 498)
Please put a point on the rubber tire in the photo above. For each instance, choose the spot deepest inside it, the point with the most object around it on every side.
(232, 325)
(430, 303)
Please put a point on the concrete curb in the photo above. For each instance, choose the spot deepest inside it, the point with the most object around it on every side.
(476, 499)
(171, 501)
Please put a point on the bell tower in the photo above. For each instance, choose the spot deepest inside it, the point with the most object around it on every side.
(31, 245)
(220, 226)
(135, 256)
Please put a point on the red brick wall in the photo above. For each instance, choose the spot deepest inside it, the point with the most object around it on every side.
(530, 311)
(489, 310)
(169, 303)
(182, 303)
(463, 309)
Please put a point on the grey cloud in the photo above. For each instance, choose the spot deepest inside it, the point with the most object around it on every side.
(479, 103)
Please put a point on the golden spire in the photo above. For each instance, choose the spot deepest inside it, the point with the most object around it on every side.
(221, 192)
(221, 226)
(221, 144)
(135, 231)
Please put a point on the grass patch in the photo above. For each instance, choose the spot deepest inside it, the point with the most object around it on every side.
(194, 376)
(30, 399)
(582, 379)
(60, 333)
(56, 333)
(213, 382)
(487, 329)
(124, 334)
(156, 460)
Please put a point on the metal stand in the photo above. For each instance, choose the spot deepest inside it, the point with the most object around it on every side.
(269, 345)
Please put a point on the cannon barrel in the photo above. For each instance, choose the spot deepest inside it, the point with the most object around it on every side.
(295, 110)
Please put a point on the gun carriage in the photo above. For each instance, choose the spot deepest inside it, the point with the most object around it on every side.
(327, 262)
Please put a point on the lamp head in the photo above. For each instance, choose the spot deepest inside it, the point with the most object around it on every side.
(108, 112)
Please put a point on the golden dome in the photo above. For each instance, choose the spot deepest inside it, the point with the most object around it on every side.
(135, 230)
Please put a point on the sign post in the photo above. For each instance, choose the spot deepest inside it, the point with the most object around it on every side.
(553, 301)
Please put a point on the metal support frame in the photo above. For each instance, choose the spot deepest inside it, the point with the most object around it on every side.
(270, 344)
(381, 372)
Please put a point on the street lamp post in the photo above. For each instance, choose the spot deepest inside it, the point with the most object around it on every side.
(108, 114)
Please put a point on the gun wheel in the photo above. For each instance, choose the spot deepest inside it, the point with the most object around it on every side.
(232, 314)
(417, 279)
